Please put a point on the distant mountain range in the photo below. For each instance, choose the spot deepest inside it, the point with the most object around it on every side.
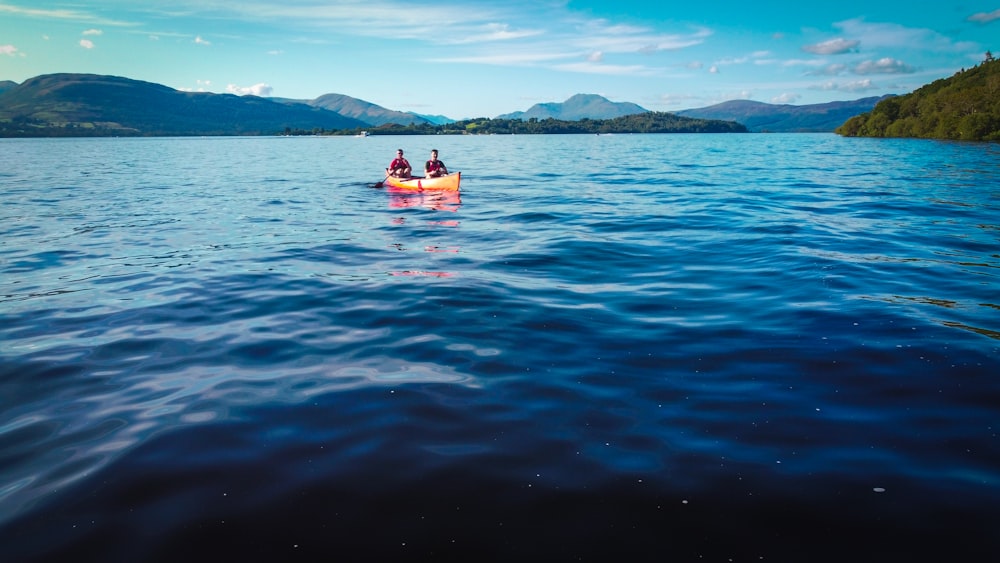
(785, 118)
(580, 106)
(95, 105)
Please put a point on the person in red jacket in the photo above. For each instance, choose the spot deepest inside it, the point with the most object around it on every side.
(434, 167)
(399, 167)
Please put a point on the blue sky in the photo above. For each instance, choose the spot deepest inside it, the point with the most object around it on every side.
(469, 58)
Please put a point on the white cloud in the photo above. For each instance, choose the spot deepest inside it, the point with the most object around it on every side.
(785, 98)
(884, 65)
(276, 52)
(596, 57)
(855, 86)
(86, 43)
(714, 69)
(832, 47)
(93, 32)
(255, 90)
(985, 17)
(201, 41)
(8, 50)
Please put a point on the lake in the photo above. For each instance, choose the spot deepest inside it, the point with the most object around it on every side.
(767, 347)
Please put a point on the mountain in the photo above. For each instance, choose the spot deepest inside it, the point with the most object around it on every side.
(435, 119)
(372, 114)
(6, 85)
(580, 106)
(95, 105)
(367, 112)
(964, 106)
(785, 118)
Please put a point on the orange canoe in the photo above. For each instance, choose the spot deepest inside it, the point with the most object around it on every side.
(449, 182)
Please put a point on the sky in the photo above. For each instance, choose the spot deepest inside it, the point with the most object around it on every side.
(470, 58)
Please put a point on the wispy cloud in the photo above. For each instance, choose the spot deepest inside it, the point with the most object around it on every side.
(86, 43)
(200, 41)
(885, 65)
(605, 36)
(532, 33)
(93, 32)
(828, 70)
(854, 86)
(490, 33)
(832, 47)
(786, 98)
(590, 67)
(879, 35)
(757, 57)
(985, 17)
(61, 14)
(8, 50)
(510, 58)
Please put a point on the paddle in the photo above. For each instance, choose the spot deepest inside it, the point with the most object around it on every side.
(382, 182)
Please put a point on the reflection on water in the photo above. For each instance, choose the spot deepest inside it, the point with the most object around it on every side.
(438, 200)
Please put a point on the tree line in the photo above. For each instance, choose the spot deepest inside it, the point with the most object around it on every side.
(649, 122)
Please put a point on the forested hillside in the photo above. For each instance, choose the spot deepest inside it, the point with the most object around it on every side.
(649, 122)
(965, 106)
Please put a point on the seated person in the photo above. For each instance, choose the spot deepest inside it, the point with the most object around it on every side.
(399, 168)
(434, 167)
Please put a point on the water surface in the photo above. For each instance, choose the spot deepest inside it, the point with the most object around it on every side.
(649, 347)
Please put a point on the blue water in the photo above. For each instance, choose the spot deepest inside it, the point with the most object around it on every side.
(616, 347)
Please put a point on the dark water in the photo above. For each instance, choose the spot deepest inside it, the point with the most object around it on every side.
(633, 347)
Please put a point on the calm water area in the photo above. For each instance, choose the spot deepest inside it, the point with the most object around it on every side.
(744, 347)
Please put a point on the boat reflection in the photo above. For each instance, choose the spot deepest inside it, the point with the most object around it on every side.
(438, 200)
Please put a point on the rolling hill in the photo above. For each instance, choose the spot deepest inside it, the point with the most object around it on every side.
(93, 105)
(367, 112)
(785, 118)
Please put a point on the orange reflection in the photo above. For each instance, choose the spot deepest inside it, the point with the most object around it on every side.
(438, 200)
(422, 273)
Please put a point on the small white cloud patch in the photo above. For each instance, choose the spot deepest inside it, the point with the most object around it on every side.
(261, 89)
(832, 47)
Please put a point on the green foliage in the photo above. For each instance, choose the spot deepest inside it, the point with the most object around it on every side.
(964, 107)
